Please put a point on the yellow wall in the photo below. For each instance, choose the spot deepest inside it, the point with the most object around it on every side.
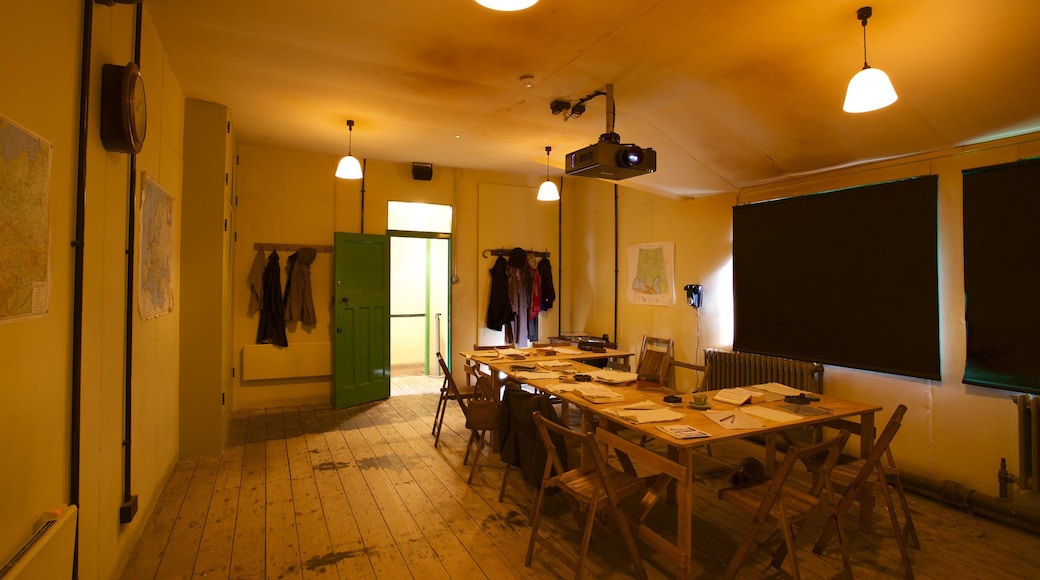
(41, 93)
(951, 432)
(499, 210)
(293, 197)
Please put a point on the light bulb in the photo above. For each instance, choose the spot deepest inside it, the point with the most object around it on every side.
(869, 90)
(548, 191)
(507, 5)
(349, 168)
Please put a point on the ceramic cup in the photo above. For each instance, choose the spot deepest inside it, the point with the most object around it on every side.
(700, 399)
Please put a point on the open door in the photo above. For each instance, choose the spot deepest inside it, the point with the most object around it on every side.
(361, 341)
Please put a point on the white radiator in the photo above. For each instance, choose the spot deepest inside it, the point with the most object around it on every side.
(305, 359)
(48, 553)
(1028, 441)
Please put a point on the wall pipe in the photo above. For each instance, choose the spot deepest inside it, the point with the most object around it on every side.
(364, 171)
(76, 359)
(1002, 510)
(128, 507)
(76, 356)
(616, 272)
(559, 262)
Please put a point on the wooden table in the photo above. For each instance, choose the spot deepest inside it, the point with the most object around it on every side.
(500, 365)
(682, 450)
(557, 352)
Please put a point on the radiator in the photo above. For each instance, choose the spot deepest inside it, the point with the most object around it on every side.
(304, 359)
(48, 553)
(1028, 442)
(726, 369)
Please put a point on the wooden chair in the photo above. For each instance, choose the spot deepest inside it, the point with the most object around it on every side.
(868, 474)
(449, 392)
(786, 508)
(481, 411)
(591, 487)
(655, 359)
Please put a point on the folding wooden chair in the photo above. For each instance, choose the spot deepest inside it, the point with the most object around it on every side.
(481, 411)
(655, 359)
(591, 487)
(786, 508)
(867, 474)
(449, 392)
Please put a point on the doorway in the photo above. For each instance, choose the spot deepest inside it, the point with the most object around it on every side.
(420, 287)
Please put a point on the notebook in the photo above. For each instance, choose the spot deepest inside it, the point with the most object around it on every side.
(735, 396)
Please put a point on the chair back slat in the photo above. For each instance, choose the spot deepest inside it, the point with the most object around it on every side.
(879, 450)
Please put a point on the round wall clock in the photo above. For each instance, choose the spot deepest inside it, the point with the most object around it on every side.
(124, 113)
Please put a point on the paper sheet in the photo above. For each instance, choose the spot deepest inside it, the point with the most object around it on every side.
(733, 419)
(647, 415)
(771, 414)
(537, 375)
(643, 405)
(777, 388)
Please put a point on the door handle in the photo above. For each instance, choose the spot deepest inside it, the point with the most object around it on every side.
(345, 300)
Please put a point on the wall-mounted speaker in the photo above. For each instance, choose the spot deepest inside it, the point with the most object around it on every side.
(422, 171)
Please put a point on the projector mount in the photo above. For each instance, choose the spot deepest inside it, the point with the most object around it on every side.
(576, 110)
(573, 111)
(609, 158)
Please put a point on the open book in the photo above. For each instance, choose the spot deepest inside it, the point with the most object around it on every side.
(734, 396)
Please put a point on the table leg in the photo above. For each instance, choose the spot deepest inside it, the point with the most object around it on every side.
(684, 529)
(866, 445)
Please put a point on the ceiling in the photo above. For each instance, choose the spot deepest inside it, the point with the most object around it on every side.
(729, 94)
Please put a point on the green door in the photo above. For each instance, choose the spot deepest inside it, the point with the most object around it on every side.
(361, 343)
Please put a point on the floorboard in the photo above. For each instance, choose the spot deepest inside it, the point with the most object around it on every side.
(312, 492)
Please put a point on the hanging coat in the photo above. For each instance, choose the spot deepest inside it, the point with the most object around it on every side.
(499, 311)
(517, 435)
(299, 303)
(520, 302)
(548, 294)
(271, 329)
(256, 283)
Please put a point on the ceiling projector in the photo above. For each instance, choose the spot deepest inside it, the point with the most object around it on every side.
(610, 159)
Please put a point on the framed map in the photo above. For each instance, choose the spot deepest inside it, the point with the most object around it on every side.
(155, 279)
(651, 265)
(25, 239)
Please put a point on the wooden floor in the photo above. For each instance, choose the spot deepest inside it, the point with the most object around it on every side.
(309, 492)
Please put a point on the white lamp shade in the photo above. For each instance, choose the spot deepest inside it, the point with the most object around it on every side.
(869, 90)
(548, 191)
(507, 5)
(349, 168)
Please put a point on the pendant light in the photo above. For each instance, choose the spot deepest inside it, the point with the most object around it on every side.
(548, 190)
(871, 88)
(349, 167)
(507, 5)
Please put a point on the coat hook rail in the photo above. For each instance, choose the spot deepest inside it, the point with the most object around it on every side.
(505, 252)
(289, 247)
